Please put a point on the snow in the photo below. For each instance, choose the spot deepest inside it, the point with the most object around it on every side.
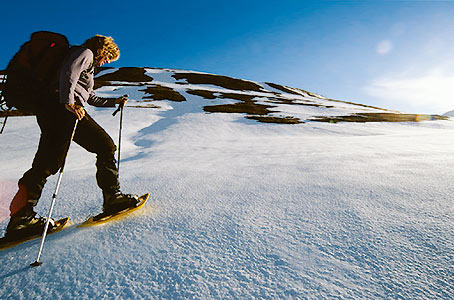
(243, 210)
(449, 113)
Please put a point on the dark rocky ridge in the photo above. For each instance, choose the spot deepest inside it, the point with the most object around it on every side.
(253, 100)
(160, 92)
(222, 81)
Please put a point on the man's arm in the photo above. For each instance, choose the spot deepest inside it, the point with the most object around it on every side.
(101, 101)
(77, 62)
(106, 102)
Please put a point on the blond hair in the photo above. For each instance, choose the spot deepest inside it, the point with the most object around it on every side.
(103, 46)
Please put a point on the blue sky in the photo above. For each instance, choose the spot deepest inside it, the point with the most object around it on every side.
(393, 54)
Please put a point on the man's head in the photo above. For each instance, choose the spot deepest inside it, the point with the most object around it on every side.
(104, 49)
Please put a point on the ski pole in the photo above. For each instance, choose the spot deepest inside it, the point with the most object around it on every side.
(54, 196)
(119, 109)
(4, 122)
(3, 103)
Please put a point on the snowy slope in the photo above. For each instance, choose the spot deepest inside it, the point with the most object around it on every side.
(240, 208)
(449, 113)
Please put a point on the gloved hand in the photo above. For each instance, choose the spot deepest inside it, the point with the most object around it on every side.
(76, 109)
(122, 100)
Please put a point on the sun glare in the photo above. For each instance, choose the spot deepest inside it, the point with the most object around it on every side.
(431, 91)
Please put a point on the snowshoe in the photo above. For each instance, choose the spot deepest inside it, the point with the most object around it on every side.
(107, 216)
(27, 224)
(29, 229)
(118, 201)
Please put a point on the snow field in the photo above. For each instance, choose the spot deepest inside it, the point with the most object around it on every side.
(243, 210)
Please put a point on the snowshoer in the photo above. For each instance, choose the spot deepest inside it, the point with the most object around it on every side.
(56, 119)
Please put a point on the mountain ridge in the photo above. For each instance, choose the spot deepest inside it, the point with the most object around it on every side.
(263, 102)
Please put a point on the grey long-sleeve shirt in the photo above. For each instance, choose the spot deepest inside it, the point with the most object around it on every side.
(77, 80)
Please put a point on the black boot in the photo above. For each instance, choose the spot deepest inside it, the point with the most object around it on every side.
(117, 201)
(25, 223)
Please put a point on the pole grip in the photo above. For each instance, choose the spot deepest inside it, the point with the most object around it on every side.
(120, 107)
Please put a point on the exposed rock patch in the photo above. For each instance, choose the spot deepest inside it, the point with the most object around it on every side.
(282, 88)
(379, 117)
(127, 74)
(223, 81)
(296, 102)
(159, 92)
(277, 120)
(246, 107)
(202, 93)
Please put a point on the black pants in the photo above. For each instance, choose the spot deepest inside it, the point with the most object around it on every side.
(57, 124)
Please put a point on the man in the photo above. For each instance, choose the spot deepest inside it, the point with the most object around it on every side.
(56, 119)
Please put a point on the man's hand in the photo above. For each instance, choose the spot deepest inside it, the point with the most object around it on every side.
(122, 100)
(78, 110)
